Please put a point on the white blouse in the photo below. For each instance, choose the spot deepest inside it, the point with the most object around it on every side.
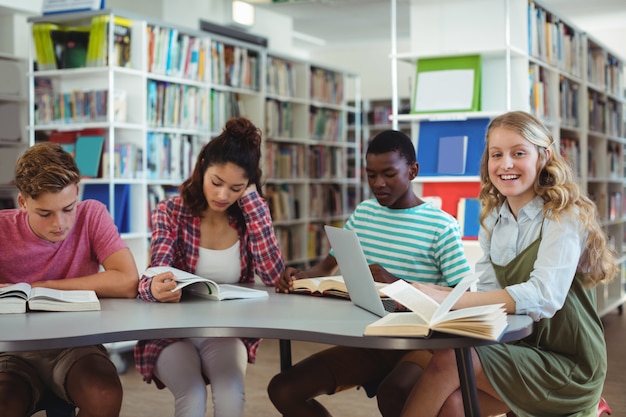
(557, 261)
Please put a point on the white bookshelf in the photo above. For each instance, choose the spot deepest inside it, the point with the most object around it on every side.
(13, 110)
(312, 159)
(579, 95)
(163, 139)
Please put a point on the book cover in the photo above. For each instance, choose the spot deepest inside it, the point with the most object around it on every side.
(89, 154)
(427, 147)
(452, 155)
(469, 217)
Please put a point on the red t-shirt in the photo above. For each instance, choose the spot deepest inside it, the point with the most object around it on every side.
(25, 257)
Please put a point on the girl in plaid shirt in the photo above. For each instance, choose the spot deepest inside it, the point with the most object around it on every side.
(219, 227)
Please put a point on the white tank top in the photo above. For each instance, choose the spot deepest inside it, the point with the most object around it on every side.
(222, 266)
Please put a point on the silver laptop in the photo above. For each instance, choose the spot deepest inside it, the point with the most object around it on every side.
(355, 271)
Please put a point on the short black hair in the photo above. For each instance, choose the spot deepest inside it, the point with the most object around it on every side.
(393, 141)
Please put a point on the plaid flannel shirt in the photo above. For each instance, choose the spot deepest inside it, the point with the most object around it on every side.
(175, 242)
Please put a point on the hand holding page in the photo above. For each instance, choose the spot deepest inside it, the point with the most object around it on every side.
(205, 287)
(483, 322)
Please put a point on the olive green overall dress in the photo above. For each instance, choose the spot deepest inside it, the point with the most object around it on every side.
(558, 370)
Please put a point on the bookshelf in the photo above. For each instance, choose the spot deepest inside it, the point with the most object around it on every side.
(13, 109)
(313, 162)
(157, 96)
(532, 59)
(375, 118)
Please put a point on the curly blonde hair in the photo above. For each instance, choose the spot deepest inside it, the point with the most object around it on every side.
(555, 184)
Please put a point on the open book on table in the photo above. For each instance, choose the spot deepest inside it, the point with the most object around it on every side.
(321, 286)
(17, 298)
(426, 315)
(205, 287)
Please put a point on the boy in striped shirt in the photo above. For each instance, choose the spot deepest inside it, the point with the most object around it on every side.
(402, 237)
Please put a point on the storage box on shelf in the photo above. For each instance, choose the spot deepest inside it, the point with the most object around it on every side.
(311, 162)
(531, 59)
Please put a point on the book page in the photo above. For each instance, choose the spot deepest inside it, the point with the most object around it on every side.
(183, 278)
(412, 298)
(320, 283)
(21, 290)
(65, 296)
(396, 324)
(454, 296)
(231, 292)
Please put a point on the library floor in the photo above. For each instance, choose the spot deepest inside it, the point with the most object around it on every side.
(141, 399)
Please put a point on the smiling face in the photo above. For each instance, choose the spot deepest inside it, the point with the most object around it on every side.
(52, 215)
(389, 176)
(224, 184)
(512, 166)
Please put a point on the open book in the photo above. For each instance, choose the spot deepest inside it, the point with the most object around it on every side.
(321, 286)
(426, 315)
(17, 298)
(205, 287)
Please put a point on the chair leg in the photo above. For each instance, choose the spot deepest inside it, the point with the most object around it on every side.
(603, 407)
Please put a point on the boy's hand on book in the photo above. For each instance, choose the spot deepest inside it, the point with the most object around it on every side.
(162, 286)
(285, 282)
(380, 274)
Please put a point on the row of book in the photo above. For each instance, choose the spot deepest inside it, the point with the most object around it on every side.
(177, 54)
(170, 156)
(570, 150)
(284, 161)
(325, 124)
(278, 119)
(553, 41)
(77, 106)
(325, 201)
(604, 114)
(568, 102)
(326, 86)
(235, 66)
(280, 77)
(610, 207)
(539, 88)
(326, 163)
(289, 240)
(224, 106)
(177, 106)
(605, 71)
(283, 202)
(156, 194)
(98, 48)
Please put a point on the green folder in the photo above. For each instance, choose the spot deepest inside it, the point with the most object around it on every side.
(447, 84)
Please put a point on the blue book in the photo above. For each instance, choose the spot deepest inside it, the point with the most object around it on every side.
(451, 155)
(468, 216)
